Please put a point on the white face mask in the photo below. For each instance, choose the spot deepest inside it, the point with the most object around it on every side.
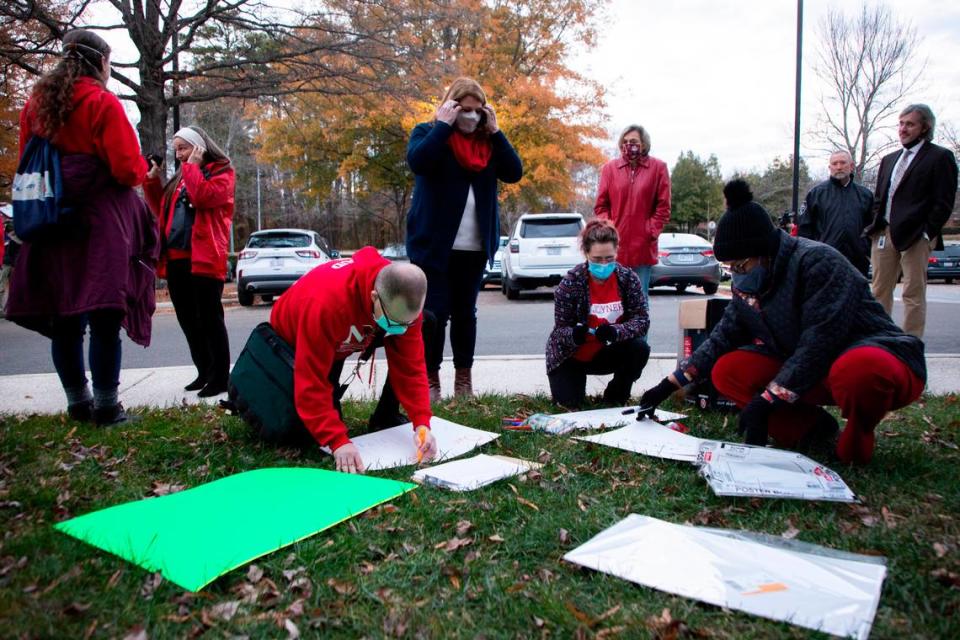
(467, 121)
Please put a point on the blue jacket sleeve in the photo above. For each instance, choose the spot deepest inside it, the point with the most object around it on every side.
(508, 163)
(425, 146)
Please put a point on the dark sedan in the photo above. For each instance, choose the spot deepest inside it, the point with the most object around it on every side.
(685, 260)
(944, 265)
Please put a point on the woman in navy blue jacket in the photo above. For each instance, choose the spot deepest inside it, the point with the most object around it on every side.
(453, 228)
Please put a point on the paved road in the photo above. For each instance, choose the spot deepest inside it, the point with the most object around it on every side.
(506, 328)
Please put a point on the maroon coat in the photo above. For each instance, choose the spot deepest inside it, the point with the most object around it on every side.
(105, 259)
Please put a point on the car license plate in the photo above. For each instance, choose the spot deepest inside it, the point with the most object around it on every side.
(553, 251)
(276, 263)
(949, 264)
(686, 258)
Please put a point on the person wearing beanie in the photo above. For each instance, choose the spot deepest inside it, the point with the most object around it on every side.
(802, 330)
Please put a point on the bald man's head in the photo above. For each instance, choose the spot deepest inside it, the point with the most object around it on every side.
(841, 166)
(402, 288)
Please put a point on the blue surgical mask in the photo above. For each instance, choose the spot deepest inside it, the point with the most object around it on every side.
(601, 271)
(751, 282)
(391, 329)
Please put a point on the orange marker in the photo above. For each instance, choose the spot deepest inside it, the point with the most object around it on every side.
(769, 587)
(422, 439)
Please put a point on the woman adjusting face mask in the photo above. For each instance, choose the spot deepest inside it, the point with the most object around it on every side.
(467, 121)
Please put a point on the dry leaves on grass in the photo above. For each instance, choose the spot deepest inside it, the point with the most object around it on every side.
(164, 488)
(791, 531)
(590, 622)
(564, 536)
(463, 526)
(136, 633)
(946, 577)
(453, 544)
(342, 587)
(665, 627)
(224, 611)
(527, 503)
(495, 538)
(940, 549)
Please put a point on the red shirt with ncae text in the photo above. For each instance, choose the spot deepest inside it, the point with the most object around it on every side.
(606, 307)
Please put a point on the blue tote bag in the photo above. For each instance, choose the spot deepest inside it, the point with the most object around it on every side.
(38, 204)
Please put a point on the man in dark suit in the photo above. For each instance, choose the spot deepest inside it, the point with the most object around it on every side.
(916, 189)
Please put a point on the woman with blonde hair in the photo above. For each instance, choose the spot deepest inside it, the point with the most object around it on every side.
(453, 228)
(195, 209)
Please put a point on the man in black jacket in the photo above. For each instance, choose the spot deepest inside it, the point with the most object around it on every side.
(836, 211)
(802, 330)
(916, 189)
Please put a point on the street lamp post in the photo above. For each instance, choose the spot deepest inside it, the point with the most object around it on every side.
(796, 113)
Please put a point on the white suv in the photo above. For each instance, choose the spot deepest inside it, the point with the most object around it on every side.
(273, 260)
(542, 248)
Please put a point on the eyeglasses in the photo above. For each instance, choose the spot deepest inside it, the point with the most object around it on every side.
(390, 321)
(739, 267)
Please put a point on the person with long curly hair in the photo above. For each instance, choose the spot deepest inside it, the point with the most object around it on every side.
(97, 271)
(195, 208)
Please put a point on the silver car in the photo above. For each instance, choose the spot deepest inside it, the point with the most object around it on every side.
(685, 260)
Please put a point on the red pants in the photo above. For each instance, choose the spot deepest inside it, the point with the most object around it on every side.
(865, 383)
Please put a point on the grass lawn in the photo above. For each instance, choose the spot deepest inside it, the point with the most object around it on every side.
(434, 564)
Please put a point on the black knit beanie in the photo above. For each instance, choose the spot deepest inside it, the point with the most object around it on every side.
(746, 229)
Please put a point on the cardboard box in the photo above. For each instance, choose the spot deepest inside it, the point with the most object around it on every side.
(693, 314)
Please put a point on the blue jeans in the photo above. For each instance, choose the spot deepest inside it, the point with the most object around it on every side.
(66, 347)
(644, 272)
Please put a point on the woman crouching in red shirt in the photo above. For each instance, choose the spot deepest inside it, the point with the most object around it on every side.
(195, 209)
(601, 323)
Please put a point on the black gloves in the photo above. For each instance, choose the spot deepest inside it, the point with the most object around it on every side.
(606, 334)
(580, 334)
(753, 420)
(654, 397)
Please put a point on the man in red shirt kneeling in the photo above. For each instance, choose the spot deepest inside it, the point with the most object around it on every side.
(348, 306)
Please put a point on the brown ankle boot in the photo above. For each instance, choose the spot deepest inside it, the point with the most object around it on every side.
(463, 383)
(433, 380)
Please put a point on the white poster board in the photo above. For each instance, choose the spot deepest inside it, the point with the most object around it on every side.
(651, 439)
(761, 472)
(802, 584)
(472, 473)
(611, 418)
(395, 447)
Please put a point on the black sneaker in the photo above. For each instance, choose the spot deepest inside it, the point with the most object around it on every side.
(81, 411)
(114, 414)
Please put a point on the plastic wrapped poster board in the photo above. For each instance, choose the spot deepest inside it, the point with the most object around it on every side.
(468, 474)
(802, 584)
(651, 439)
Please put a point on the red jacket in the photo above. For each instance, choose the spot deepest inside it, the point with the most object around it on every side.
(98, 126)
(210, 190)
(328, 315)
(638, 204)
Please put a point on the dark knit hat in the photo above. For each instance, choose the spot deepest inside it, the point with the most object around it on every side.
(746, 229)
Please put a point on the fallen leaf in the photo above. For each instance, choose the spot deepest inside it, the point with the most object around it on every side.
(564, 536)
(539, 622)
(342, 587)
(224, 610)
(254, 573)
(165, 488)
(495, 538)
(612, 631)
(946, 577)
(290, 574)
(296, 608)
(453, 544)
(940, 549)
(527, 503)
(889, 518)
(75, 608)
(292, 630)
(579, 615)
(791, 532)
(395, 623)
(136, 633)
(608, 613)
(463, 527)
(367, 568)
(455, 581)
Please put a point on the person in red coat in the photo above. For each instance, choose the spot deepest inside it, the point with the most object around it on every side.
(345, 307)
(96, 270)
(634, 194)
(195, 209)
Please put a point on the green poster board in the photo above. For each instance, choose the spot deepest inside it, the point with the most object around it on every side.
(195, 536)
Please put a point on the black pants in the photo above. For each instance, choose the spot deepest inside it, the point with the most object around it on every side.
(625, 360)
(388, 407)
(66, 348)
(196, 300)
(452, 296)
